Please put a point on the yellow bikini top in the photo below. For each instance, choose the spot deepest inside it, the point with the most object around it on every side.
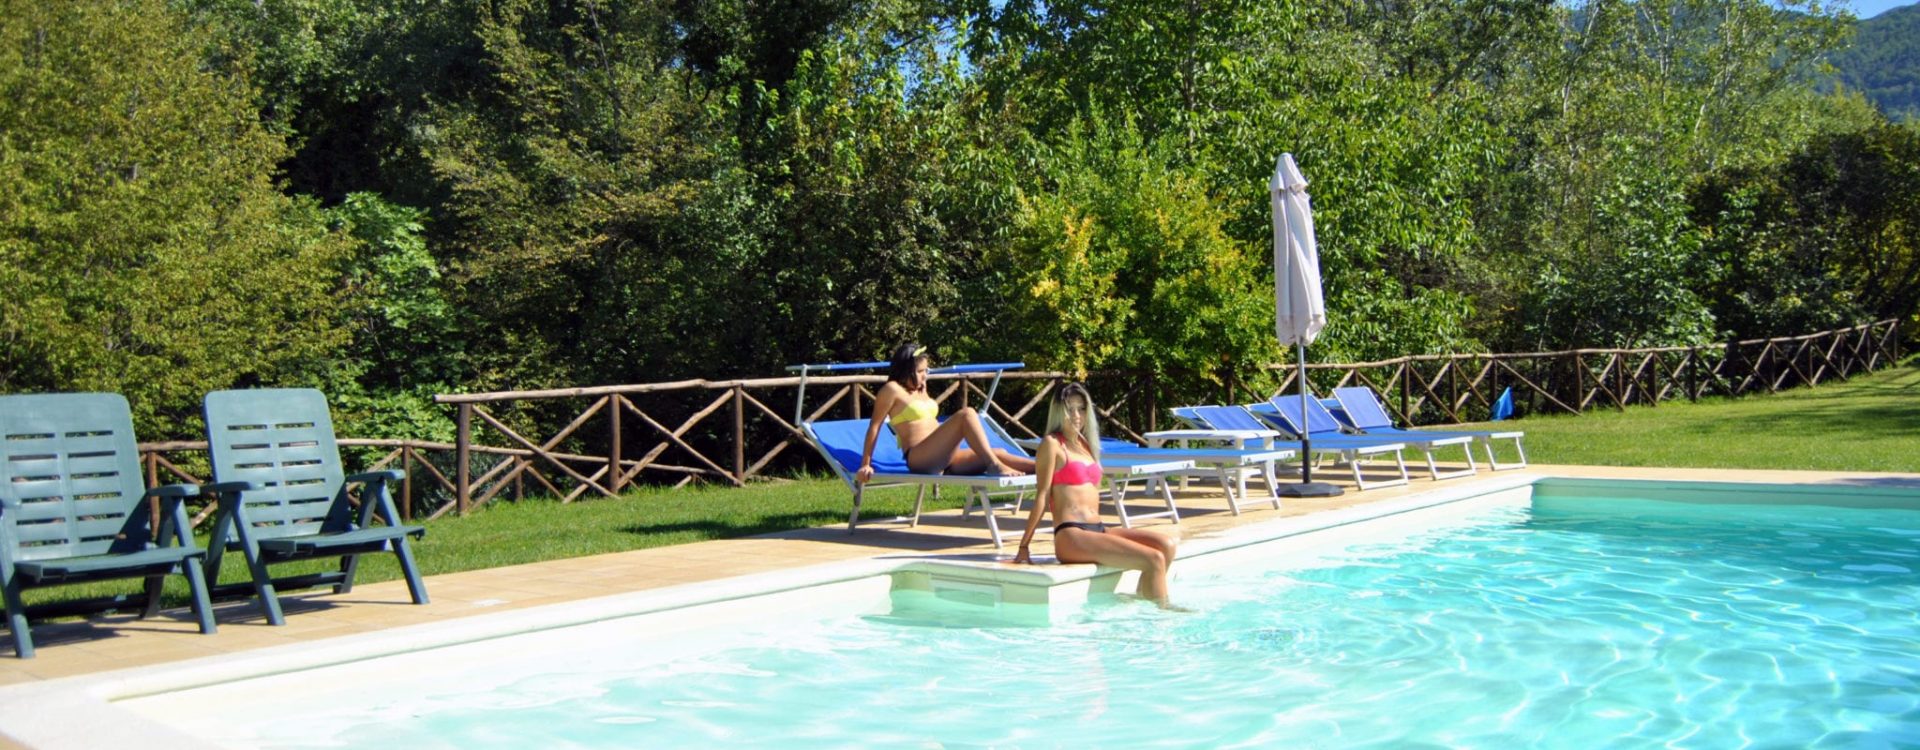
(915, 411)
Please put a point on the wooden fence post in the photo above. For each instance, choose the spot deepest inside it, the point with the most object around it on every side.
(1653, 375)
(406, 485)
(614, 403)
(1693, 373)
(1577, 376)
(739, 436)
(1406, 388)
(462, 450)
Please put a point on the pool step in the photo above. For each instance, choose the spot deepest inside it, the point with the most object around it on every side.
(994, 593)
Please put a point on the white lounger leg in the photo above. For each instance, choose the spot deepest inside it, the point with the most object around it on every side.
(1273, 485)
(1119, 495)
(986, 506)
(1226, 485)
(1399, 459)
(853, 520)
(1495, 463)
(1433, 467)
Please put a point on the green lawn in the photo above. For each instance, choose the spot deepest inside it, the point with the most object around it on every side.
(1870, 423)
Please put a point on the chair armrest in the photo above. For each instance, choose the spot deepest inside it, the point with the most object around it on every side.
(226, 488)
(367, 477)
(375, 484)
(174, 490)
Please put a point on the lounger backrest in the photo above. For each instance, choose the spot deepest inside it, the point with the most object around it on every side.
(998, 437)
(1362, 407)
(1188, 416)
(1229, 418)
(1319, 421)
(843, 439)
(1271, 416)
(70, 475)
(280, 440)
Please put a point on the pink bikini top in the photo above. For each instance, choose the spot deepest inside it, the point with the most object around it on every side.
(1077, 472)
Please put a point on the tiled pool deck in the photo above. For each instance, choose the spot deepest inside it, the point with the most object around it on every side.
(117, 642)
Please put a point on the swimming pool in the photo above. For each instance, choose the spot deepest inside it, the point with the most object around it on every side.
(1591, 612)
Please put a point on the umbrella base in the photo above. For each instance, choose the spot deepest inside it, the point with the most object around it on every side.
(1308, 489)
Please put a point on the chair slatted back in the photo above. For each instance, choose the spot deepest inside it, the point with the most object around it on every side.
(281, 440)
(1229, 418)
(1187, 416)
(1319, 421)
(1362, 407)
(71, 462)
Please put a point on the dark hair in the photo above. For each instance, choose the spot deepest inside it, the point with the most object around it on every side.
(905, 358)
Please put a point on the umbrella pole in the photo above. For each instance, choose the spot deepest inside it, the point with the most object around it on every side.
(1307, 487)
(1306, 428)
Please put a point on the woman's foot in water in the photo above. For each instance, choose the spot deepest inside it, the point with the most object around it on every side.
(1163, 604)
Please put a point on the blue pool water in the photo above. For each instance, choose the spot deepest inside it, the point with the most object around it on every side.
(1576, 623)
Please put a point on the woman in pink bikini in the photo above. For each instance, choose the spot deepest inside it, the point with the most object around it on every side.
(1069, 470)
(930, 445)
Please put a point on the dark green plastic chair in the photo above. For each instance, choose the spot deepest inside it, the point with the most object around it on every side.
(284, 496)
(73, 509)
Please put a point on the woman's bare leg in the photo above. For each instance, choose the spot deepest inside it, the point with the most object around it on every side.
(1167, 546)
(1081, 546)
(941, 450)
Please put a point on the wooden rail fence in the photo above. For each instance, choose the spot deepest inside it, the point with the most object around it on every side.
(736, 431)
(1453, 388)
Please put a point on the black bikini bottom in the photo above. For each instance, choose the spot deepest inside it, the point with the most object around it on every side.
(1097, 528)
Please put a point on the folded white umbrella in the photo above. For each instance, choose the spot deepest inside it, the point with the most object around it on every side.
(1300, 310)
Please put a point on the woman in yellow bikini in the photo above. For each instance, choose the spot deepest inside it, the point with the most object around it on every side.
(930, 445)
(1069, 469)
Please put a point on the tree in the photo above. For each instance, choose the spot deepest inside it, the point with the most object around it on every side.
(144, 245)
(1124, 263)
(1829, 237)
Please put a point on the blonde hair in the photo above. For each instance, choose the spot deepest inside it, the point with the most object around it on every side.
(1057, 416)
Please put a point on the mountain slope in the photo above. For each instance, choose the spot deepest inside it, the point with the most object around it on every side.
(1884, 62)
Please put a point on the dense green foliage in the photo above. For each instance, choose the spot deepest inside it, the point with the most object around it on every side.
(144, 246)
(389, 198)
(1884, 62)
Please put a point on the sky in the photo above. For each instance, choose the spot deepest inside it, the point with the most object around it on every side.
(1871, 8)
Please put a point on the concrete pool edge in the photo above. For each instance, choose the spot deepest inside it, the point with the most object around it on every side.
(79, 711)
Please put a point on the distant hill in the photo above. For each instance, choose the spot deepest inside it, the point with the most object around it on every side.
(1884, 62)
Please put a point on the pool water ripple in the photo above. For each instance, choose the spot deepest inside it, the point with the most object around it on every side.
(1617, 623)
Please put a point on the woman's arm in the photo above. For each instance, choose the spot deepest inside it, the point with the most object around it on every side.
(1043, 466)
(882, 406)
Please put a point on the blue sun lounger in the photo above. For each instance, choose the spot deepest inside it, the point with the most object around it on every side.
(1362, 411)
(1284, 412)
(1352, 450)
(1231, 466)
(840, 441)
(1119, 470)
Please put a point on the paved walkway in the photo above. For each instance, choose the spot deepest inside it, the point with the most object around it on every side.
(119, 641)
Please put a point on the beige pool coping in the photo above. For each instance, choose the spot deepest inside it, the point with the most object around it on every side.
(114, 642)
